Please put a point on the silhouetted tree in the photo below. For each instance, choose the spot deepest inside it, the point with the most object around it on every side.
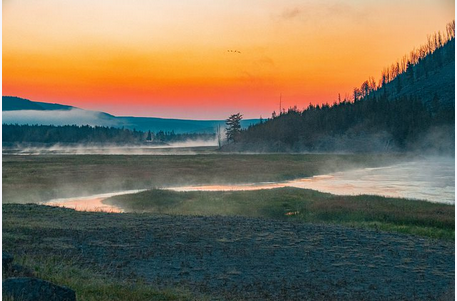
(410, 72)
(399, 85)
(233, 127)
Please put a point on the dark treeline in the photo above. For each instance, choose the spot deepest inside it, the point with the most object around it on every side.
(430, 56)
(412, 108)
(171, 136)
(13, 133)
(434, 42)
(69, 134)
(376, 125)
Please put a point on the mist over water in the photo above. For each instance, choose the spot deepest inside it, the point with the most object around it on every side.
(431, 179)
(56, 117)
(92, 203)
(175, 148)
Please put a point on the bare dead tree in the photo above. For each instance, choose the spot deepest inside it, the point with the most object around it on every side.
(389, 73)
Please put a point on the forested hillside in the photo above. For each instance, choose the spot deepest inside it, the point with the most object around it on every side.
(432, 77)
(16, 110)
(12, 103)
(411, 108)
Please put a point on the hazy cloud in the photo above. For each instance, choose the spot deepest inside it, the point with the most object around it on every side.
(320, 11)
(55, 117)
(266, 60)
(291, 13)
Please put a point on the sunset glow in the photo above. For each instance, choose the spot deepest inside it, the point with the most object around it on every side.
(172, 58)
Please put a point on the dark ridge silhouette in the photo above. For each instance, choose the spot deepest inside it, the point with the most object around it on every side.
(13, 103)
(432, 77)
(427, 70)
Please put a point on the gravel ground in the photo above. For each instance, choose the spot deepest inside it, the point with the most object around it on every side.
(240, 258)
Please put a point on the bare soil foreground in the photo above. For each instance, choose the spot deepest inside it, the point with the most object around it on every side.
(238, 257)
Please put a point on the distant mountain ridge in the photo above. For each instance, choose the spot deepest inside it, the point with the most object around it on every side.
(13, 103)
(16, 110)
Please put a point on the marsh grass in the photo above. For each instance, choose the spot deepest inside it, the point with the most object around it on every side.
(386, 214)
(31, 179)
(91, 285)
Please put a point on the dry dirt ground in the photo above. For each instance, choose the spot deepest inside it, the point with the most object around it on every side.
(239, 258)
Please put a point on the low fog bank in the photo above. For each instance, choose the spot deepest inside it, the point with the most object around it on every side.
(180, 147)
(56, 117)
(40, 178)
(430, 178)
(438, 140)
(51, 175)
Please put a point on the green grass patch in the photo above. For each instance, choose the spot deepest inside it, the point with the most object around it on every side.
(375, 212)
(94, 286)
(29, 179)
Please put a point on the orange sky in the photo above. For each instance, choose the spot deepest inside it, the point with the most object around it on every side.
(169, 58)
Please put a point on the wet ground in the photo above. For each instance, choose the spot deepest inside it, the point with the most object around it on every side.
(93, 203)
(240, 258)
(431, 180)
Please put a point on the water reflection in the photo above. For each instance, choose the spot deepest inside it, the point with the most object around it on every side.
(92, 203)
(431, 180)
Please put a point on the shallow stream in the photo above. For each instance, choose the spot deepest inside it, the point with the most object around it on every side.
(431, 180)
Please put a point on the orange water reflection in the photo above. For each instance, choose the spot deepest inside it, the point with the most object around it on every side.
(431, 180)
(424, 180)
(92, 205)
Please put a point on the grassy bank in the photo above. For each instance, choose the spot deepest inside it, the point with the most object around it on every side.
(29, 179)
(41, 238)
(386, 214)
(90, 285)
(135, 256)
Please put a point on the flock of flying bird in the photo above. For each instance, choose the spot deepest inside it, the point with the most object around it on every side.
(234, 51)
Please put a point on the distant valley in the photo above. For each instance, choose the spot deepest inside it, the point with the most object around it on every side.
(17, 110)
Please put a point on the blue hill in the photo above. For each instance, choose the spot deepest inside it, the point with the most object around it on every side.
(17, 110)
